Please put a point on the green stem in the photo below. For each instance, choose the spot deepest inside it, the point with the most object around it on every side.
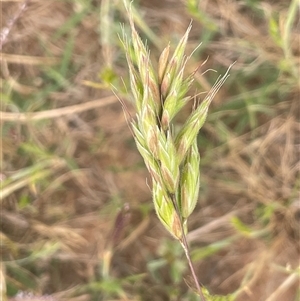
(187, 254)
(185, 246)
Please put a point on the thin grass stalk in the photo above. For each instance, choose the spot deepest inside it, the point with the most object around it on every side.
(7, 29)
(186, 249)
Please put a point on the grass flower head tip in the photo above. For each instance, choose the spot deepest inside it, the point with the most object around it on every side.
(172, 159)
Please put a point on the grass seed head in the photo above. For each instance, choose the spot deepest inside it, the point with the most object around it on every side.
(189, 181)
(177, 61)
(168, 162)
(189, 131)
(166, 211)
(171, 159)
(163, 63)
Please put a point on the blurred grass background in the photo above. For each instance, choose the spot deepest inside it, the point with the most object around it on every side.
(77, 221)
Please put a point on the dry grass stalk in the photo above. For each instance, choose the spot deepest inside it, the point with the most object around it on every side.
(7, 29)
(59, 112)
(171, 158)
